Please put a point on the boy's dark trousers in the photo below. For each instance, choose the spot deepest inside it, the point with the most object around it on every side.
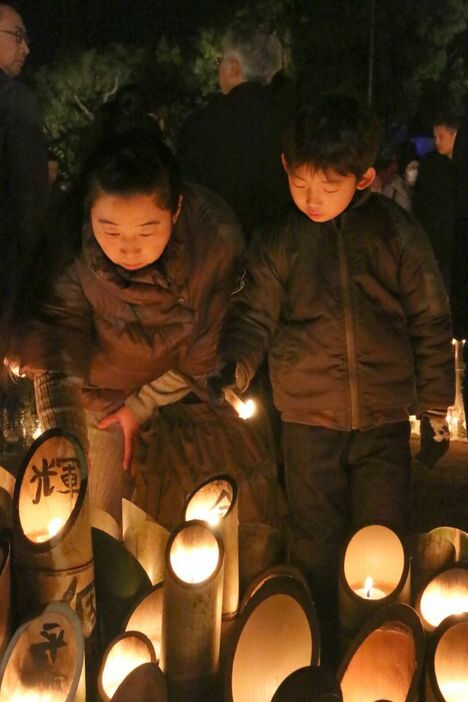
(337, 480)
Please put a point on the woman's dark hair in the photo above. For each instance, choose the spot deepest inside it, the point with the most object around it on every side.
(133, 163)
(334, 131)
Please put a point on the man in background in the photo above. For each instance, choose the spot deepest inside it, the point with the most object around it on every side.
(233, 146)
(23, 172)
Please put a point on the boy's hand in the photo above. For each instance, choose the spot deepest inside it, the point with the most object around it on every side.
(435, 438)
(130, 427)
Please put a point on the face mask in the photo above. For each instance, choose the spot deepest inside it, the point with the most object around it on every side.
(411, 176)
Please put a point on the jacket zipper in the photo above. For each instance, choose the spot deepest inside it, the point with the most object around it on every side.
(349, 333)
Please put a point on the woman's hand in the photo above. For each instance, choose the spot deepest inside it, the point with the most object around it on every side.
(130, 427)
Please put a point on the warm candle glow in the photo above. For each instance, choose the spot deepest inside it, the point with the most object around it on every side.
(369, 592)
(53, 528)
(454, 690)
(119, 666)
(245, 410)
(211, 502)
(195, 564)
(439, 601)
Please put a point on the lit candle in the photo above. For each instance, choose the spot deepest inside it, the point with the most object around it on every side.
(369, 592)
(195, 564)
(53, 528)
(245, 410)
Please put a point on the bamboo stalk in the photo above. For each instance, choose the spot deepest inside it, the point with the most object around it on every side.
(5, 595)
(125, 653)
(145, 539)
(144, 684)
(51, 529)
(447, 661)
(45, 659)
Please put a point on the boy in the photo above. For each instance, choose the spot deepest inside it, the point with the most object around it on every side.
(345, 296)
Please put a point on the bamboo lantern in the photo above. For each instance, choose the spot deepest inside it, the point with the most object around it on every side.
(5, 595)
(7, 487)
(384, 661)
(53, 555)
(145, 539)
(429, 554)
(458, 537)
(280, 570)
(44, 661)
(147, 617)
(120, 582)
(447, 661)
(144, 684)
(125, 653)
(374, 571)
(100, 519)
(445, 594)
(275, 634)
(215, 502)
(309, 684)
(192, 609)
(261, 546)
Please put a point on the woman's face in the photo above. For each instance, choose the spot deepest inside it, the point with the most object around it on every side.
(133, 231)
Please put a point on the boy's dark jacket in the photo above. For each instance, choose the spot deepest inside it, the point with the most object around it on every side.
(117, 330)
(354, 314)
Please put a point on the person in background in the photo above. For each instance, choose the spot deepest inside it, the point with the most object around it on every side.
(400, 187)
(129, 334)
(233, 145)
(434, 193)
(23, 181)
(345, 296)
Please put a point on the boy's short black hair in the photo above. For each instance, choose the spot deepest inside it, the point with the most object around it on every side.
(450, 120)
(333, 132)
(134, 163)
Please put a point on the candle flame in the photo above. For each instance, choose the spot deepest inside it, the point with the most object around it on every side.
(194, 565)
(245, 410)
(53, 528)
(368, 585)
(248, 409)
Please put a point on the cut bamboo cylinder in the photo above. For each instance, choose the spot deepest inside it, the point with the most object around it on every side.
(145, 539)
(280, 570)
(458, 538)
(100, 519)
(445, 594)
(215, 502)
(51, 529)
(120, 582)
(385, 659)
(5, 595)
(429, 554)
(374, 571)
(45, 659)
(309, 684)
(447, 661)
(261, 546)
(144, 684)
(147, 617)
(125, 653)
(7, 487)
(192, 609)
(276, 633)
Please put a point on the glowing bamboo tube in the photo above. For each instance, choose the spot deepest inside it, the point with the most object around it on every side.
(51, 529)
(44, 661)
(147, 617)
(444, 595)
(447, 661)
(374, 571)
(145, 539)
(125, 653)
(457, 537)
(429, 554)
(384, 660)
(309, 684)
(7, 488)
(100, 519)
(276, 633)
(144, 684)
(245, 410)
(192, 608)
(5, 595)
(215, 502)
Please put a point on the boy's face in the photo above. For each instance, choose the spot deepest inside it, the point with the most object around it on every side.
(444, 138)
(132, 231)
(320, 195)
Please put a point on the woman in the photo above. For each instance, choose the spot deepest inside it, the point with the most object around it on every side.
(129, 337)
